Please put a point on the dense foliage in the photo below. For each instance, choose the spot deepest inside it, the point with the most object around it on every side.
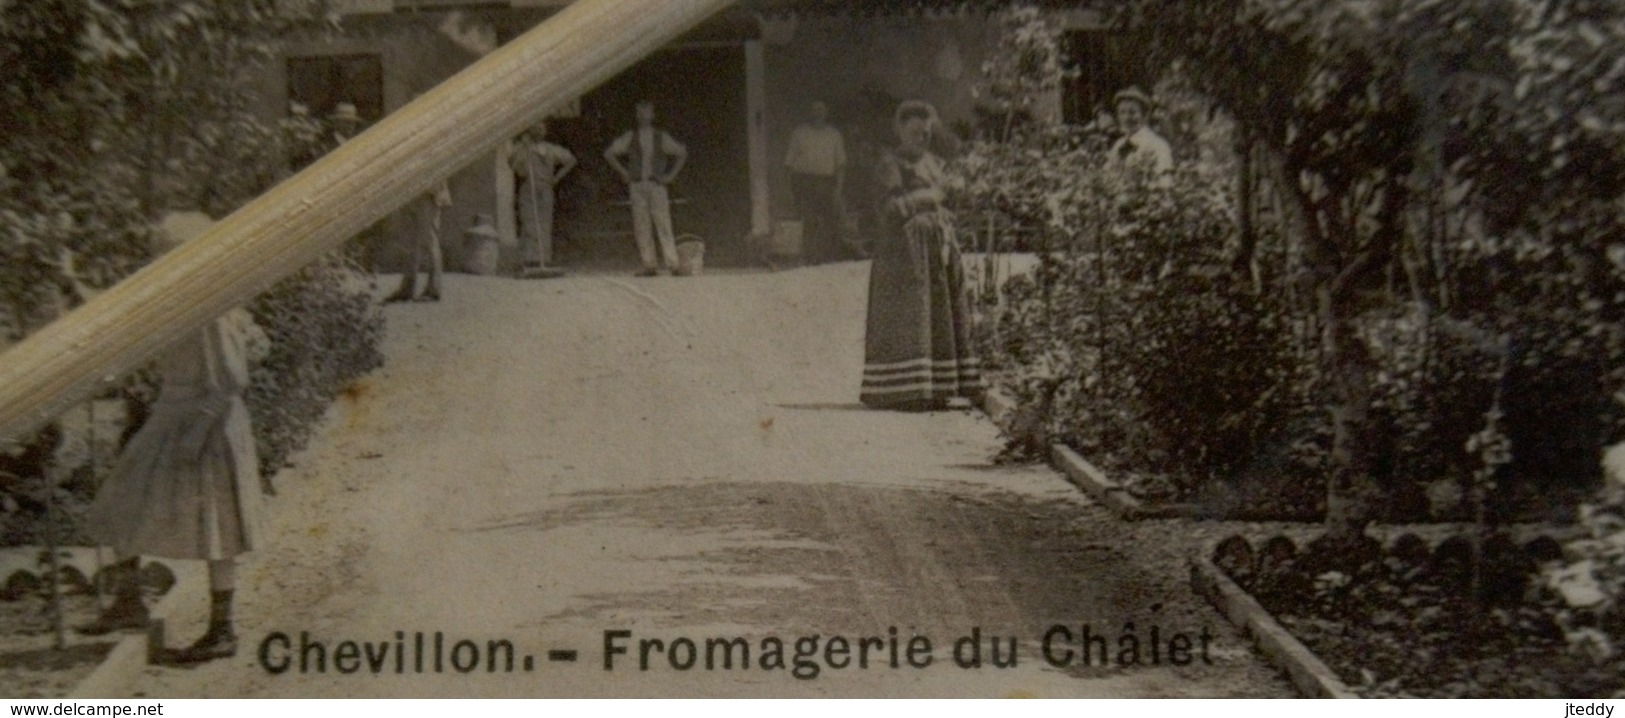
(1430, 333)
(1413, 617)
(1397, 294)
(325, 333)
(1141, 348)
(1591, 584)
(1402, 138)
(117, 112)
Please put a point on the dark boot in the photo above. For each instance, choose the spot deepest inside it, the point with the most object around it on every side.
(219, 641)
(127, 611)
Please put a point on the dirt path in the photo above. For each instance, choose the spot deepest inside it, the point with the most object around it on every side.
(542, 462)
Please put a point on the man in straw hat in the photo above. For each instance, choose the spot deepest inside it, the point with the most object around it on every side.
(346, 122)
(1139, 145)
(187, 485)
(539, 165)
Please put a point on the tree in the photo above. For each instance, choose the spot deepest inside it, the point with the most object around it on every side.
(1508, 112)
(118, 111)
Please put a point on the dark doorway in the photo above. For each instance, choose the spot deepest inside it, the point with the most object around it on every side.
(699, 96)
(1102, 62)
(321, 82)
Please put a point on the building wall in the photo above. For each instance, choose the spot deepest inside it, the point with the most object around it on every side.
(418, 50)
(415, 55)
(862, 67)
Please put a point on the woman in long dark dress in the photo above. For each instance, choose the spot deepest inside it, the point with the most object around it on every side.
(917, 354)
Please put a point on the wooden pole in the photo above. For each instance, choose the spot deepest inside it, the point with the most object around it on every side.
(313, 212)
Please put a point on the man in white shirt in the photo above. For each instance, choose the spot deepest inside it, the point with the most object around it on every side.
(1139, 145)
(540, 165)
(817, 163)
(649, 158)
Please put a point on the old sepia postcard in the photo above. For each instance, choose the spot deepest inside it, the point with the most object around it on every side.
(824, 348)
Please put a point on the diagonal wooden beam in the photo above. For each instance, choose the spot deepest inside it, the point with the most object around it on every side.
(316, 210)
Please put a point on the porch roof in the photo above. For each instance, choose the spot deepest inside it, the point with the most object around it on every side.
(850, 8)
(871, 8)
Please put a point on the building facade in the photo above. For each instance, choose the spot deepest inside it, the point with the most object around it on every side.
(732, 91)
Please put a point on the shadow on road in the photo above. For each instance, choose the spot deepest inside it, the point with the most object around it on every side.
(53, 659)
(796, 558)
(828, 406)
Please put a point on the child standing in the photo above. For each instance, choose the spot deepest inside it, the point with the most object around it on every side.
(187, 484)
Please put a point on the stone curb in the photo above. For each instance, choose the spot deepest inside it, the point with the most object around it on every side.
(999, 406)
(133, 652)
(1312, 677)
(24, 566)
(130, 650)
(1109, 493)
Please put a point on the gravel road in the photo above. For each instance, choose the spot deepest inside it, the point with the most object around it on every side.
(590, 463)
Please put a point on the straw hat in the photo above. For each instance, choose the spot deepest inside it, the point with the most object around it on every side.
(1133, 94)
(345, 112)
(916, 108)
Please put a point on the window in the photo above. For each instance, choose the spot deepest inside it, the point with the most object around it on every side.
(321, 82)
(1100, 63)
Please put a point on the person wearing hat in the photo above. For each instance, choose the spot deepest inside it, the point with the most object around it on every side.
(539, 165)
(648, 159)
(187, 485)
(346, 122)
(1139, 145)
